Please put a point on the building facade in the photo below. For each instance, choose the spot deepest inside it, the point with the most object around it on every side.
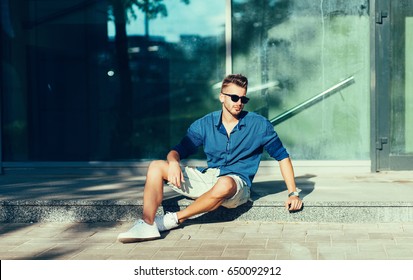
(120, 81)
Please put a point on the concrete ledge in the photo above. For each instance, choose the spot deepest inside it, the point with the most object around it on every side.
(27, 211)
(332, 191)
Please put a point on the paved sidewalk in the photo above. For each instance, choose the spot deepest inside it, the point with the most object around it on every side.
(210, 241)
(336, 195)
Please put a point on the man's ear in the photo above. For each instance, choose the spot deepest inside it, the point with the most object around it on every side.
(221, 98)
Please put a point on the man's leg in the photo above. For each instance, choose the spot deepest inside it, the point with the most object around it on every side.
(145, 228)
(223, 189)
(153, 192)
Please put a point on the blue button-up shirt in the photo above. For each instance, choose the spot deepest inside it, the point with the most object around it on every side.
(241, 152)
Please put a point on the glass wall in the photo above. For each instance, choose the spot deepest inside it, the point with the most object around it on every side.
(294, 50)
(88, 80)
(104, 80)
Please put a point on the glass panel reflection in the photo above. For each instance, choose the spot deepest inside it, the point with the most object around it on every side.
(297, 49)
(91, 80)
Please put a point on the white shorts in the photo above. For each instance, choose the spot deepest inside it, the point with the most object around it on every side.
(197, 183)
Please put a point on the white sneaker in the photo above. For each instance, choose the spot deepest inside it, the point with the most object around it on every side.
(166, 222)
(141, 231)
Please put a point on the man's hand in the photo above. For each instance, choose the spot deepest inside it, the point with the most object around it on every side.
(175, 175)
(293, 203)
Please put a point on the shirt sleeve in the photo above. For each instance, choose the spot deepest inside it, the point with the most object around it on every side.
(273, 144)
(191, 141)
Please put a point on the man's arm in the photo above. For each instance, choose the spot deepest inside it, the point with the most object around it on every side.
(293, 202)
(175, 175)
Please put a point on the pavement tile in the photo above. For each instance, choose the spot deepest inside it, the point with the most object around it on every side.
(188, 243)
(61, 252)
(381, 236)
(189, 258)
(212, 247)
(167, 255)
(245, 247)
(338, 227)
(294, 238)
(399, 253)
(11, 229)
(408, 227)
(13, 240)
(328, 232)
(366, 256)
(263, 235)
(204, 236)
(344, 243)
(279, 244)
(17, 256)
(254, 241)
(148, 252)
(303, 227)
(361, 235)
(318, 238)
(232, 235)
(262, 257)
(331, 256)
(375, 242)
(351, 227)
(85, 256)
(208, 253)
(337, 249)
(236, 253)
(157, 243)
(186, 249)
(404, 240)
(390, 227)
(225, 258)
(371, 248)
(270, 227)
(222, 241)
(306, 252)
(57, 240)
(284, 256)
(309, 244)
(263, 251)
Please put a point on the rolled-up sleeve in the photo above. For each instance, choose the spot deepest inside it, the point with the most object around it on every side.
(273, 144)
(190, 142)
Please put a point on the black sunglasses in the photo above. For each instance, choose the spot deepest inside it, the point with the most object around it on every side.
(235, 98)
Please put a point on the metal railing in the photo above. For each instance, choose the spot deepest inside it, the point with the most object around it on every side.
(310, 102)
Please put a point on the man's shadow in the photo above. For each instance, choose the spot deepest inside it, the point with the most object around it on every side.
(260, 191)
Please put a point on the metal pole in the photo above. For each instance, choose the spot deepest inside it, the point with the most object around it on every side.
(310, 102)
(228, 37)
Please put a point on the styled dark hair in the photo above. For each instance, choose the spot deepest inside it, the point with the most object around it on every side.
(236, 79)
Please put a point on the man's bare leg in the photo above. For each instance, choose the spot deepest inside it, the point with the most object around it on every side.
(211, 200)
(153, 192)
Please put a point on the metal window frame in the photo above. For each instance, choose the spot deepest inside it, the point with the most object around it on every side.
(228, 37)
(380, 91)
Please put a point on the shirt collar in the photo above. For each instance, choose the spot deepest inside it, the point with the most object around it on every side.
(218, 119)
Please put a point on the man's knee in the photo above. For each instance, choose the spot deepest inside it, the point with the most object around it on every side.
(157, 168)
(157, 165)
(225, 187)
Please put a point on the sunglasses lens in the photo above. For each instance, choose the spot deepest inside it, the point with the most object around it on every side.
(235, 98)
(244, 100)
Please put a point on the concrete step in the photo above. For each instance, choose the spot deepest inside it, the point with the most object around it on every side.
(27, 211)
(342, 192)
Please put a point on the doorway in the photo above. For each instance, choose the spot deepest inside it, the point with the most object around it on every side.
(392, 85)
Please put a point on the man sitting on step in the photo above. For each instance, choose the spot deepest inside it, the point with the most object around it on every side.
(233, 141)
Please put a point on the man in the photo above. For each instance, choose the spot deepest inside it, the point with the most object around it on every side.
(233, 141)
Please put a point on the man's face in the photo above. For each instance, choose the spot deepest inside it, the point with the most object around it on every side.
(228, 103)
